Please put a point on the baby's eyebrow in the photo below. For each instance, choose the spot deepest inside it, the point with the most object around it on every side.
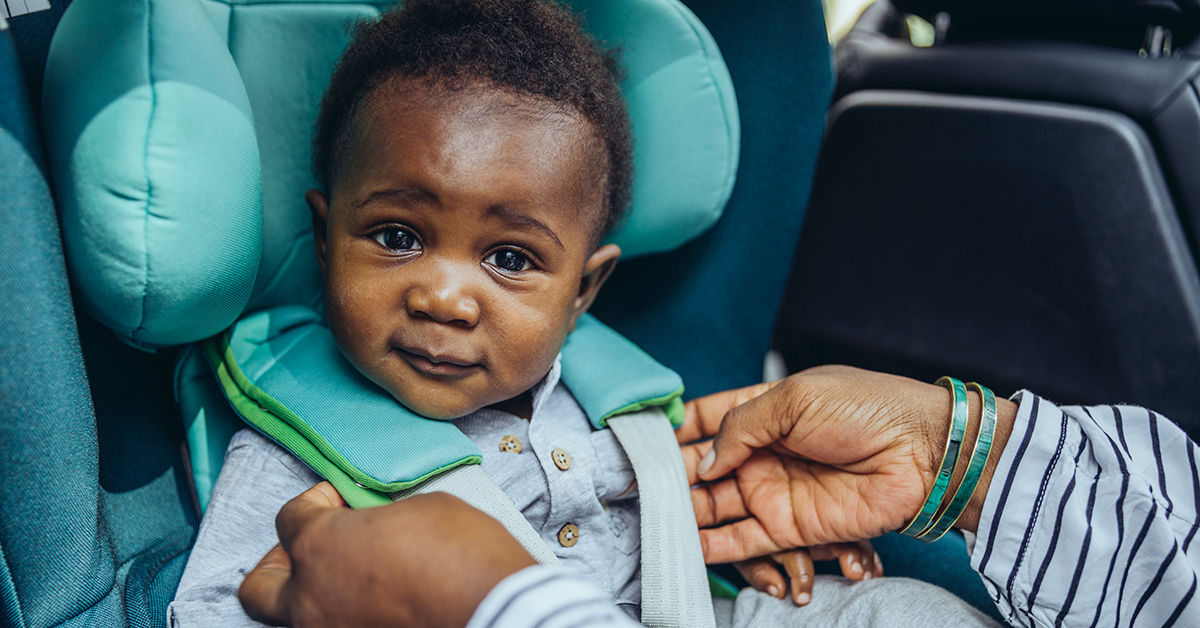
(518, 218)
(408, 195)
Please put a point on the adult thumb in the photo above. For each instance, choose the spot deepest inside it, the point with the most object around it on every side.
(264, 592)
(753, 425)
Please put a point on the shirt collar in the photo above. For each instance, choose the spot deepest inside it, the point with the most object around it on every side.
(543, 389)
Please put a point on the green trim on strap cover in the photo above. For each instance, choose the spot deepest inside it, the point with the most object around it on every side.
(285, 435)
(672, 403)
(259, 410)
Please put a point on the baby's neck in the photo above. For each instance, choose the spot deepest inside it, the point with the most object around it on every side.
(521, 405)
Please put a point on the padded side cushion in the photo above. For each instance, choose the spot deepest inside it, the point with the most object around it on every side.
(152, 146)
(686, 130)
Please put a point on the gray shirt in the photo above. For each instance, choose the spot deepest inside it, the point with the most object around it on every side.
(595, 493)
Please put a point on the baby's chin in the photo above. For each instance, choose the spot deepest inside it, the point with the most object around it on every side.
(439, 409)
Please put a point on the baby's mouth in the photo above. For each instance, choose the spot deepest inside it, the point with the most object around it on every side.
(437, 364)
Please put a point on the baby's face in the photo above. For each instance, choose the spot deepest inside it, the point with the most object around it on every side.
(457, 248)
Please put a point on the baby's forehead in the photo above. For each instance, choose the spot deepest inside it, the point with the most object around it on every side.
(441, 112)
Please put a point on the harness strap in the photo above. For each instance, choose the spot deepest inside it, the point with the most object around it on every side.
(473, 485)
(675, 590)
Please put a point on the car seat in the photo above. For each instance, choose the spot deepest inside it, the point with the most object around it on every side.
(1016, 203)
(141, 505)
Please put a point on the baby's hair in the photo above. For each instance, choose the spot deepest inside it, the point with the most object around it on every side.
(533, 47)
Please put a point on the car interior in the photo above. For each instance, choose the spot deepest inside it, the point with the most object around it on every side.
(999, 192)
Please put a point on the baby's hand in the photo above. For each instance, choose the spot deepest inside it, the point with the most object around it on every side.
(858, 560)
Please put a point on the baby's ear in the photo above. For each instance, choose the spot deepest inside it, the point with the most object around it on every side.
(319, 205)
(595, 272)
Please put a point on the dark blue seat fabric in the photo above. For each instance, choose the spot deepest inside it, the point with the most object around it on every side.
(707, 309)
(56, 565)
(96, 521)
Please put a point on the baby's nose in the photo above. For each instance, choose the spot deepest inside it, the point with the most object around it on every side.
(446, 298)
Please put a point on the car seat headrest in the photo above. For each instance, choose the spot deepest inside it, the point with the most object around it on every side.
(156, 169)
(179, 135)
(1177, 14)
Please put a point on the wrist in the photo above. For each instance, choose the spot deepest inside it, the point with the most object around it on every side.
(1006, 414)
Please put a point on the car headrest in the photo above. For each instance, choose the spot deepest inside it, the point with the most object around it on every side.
(179, 137)
(1169, 13)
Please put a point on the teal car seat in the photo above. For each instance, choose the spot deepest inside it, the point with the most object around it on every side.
(131, 499)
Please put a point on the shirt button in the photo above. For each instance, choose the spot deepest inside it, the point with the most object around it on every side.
(561, 458)
(568, 535)
(510, 443)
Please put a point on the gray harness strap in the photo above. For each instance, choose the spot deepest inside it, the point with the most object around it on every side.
(674, 579)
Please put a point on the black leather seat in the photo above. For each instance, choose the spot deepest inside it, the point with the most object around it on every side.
(1018, 203)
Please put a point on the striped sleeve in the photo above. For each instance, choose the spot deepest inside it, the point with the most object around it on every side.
(1090, 519)
(546, 597)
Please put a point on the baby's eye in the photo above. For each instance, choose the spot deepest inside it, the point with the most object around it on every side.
(508, 260)
(398, 239)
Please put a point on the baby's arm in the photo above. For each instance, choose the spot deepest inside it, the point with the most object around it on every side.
(258, 477)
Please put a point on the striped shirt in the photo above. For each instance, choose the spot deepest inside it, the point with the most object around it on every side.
(1089, 521)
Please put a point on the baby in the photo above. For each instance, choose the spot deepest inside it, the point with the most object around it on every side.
(474, 154)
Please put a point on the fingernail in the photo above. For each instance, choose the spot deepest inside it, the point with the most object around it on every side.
(803, 598)
(855, 567)
(868, 576)
(706, 462)
(773, 591)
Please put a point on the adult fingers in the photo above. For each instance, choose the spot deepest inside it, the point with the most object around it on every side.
(702, 417)
(752, 425)
(799, 567)
(737, 541)
(263, 593)
(717, 503)
(762, 574)
(692, 454)
(302, 509)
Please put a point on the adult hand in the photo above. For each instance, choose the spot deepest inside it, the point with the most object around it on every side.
(426, 561)
(830, 455)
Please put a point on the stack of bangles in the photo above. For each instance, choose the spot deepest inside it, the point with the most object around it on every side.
(939, 514)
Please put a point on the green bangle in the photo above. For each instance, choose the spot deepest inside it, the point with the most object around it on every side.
(979, 455)
(958, 424)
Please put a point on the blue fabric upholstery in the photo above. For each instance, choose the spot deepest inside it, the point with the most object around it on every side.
(94, 528)
(708, 309)
(56, 566)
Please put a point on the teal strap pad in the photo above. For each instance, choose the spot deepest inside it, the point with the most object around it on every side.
(609, 375)
(283, 373)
